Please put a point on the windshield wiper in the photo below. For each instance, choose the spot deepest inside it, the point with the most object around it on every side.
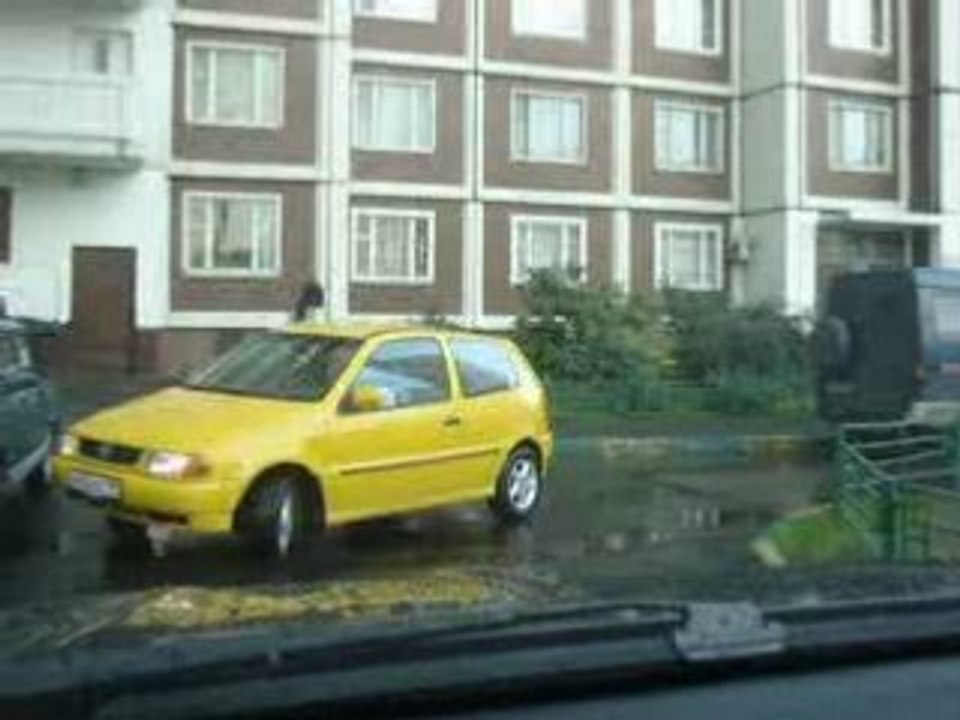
(290, 668)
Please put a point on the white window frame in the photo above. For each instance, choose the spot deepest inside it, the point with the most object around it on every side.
(519, 31)
(662, 230)
(699, 107)
(516, 155)
(390, 212)
(276, 199)
(429, 83)
(837, 40)
(214, 45)
(386, 14)
(835, 106)
(663, 43)
(569, 221)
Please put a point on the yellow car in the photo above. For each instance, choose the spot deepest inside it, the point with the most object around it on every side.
(318, 426)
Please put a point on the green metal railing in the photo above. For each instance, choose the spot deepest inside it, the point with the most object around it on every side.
(898, 486)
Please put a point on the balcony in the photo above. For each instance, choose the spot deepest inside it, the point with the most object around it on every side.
(73, 121)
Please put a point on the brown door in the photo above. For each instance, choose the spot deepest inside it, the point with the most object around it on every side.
(102, 322)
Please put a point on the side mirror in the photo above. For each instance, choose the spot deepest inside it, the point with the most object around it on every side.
(367, 398)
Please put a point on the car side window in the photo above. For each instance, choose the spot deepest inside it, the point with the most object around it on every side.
(407, 373)
(12, 355)
(484, 367)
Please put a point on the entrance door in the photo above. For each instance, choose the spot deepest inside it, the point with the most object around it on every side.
(102, 331)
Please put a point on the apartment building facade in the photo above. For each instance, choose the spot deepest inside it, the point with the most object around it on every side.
(173, 171)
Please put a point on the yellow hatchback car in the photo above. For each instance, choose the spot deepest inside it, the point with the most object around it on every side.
(317, 426)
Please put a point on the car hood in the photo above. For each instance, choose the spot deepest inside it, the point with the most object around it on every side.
(184, 420)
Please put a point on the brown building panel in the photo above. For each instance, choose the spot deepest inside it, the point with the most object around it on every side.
(447, 36)
(821, 179)
(648, 59)
(924, 157)
(500, 296)
(643, 244)
(194, 294)
(502, 171)
(837, 62)
(647, 180)
(594, 52)
(445, 164)
(445, 296)
(6, 224)
(168, 352)
(294, 142)
(297, 9)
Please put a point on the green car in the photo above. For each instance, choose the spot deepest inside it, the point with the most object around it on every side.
(29, 416)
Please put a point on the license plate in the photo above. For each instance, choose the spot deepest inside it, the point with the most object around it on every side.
(94, 488)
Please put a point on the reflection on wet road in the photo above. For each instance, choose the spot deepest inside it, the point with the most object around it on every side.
(606, 527)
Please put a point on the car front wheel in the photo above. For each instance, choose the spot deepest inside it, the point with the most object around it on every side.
(273, 517)
(519, 487)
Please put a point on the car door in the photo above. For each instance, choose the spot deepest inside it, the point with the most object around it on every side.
(401, 456)
(16, 426)
(494, 413)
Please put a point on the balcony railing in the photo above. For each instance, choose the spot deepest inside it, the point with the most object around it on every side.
(76, 120)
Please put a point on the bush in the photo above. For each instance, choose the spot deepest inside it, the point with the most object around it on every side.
(713, 341)
(571, 332)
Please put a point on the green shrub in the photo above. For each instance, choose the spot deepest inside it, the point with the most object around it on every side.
(571, 332)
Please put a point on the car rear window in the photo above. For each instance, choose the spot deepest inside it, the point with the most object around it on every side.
(484, 367)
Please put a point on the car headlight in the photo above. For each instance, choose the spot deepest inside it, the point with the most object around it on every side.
(67, 445)
(174, 466)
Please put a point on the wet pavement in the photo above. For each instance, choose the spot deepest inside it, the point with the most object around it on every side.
(607, 527)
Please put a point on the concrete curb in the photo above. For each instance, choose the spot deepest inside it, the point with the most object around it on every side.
(696, 451)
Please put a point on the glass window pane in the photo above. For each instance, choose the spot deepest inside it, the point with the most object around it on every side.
(484, 367)
(551, 18)
(269, 84)
(424, 10)
(235, 86)
(408, 373)
(197, 232)
(200, 89)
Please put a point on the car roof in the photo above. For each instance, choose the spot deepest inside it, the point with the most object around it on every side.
(365, 331)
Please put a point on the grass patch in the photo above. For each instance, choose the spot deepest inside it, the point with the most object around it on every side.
(815, 536)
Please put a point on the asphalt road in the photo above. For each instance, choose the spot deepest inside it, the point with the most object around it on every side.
(605, 528)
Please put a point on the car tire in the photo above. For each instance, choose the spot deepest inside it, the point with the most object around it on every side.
(519, 487)
(126, 535)
(273, 518)
(38, 482)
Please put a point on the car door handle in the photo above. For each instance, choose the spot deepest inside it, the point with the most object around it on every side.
(453, 421)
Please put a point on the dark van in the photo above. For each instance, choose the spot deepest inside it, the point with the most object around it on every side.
(888, 347)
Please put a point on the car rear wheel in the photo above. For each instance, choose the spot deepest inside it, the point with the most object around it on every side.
(519, 487)
(273, 518)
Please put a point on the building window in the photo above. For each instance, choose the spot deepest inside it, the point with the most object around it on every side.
(102, 52)
(861, 25)
(861, 137)
(565, 19)
(6, 224)
(540, 243)
(395, 114)
(690, 26)
(689, 137)
(549, 127)
(393, 247)
(235, 85)
(232, 234)
(407, 10)
(689, 256)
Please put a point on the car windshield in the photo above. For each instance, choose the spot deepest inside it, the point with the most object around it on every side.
(392, 312)
(278, 365)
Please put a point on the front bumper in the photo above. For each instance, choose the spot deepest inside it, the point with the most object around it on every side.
(200, 506)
